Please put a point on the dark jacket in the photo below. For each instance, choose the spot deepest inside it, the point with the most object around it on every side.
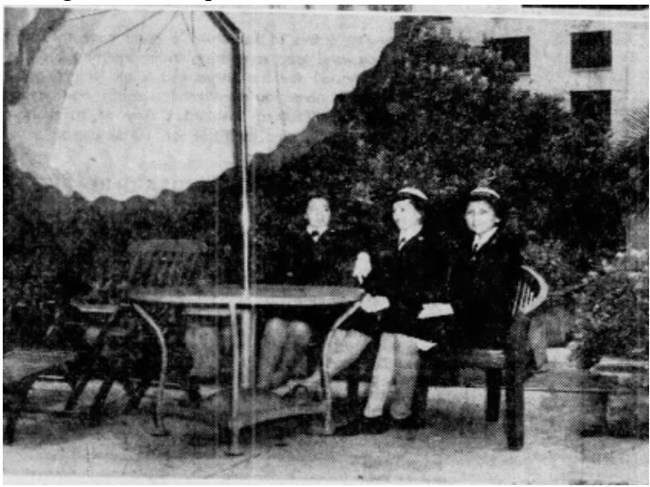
(324, 262)
(483, 286)
(303, 262)
(410, 277)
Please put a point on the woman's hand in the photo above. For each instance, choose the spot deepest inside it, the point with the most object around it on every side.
(374, 304)
(433, 310)
(362, 266)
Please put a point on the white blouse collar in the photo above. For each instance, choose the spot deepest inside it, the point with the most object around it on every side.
(481, 240)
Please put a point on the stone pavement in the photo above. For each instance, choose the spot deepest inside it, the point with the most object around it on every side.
(456, 446)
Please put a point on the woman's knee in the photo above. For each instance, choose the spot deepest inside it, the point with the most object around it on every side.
(406, 347)
(300, 332)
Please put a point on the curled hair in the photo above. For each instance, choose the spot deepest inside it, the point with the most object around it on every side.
(492, 198)
(419, 204)
(317, 196)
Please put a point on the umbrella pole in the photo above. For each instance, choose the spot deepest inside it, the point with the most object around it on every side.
(236, 40)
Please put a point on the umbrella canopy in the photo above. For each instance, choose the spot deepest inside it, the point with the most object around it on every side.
(131, 102)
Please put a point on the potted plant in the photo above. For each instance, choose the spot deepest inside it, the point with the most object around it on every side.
(613, 346)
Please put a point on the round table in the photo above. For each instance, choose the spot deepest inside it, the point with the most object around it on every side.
(258, 295)
(235, 298)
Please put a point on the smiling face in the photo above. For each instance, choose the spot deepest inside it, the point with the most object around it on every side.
(318, 213)
(405, 215)
(480, 217)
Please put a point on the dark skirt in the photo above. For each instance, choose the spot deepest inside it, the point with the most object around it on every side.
(366, 323)
(441, 330)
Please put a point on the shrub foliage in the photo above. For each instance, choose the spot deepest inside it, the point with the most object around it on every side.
(434, 112)
(613, 317)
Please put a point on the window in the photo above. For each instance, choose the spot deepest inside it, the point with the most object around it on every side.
(591, 49)
(594, 105)
(516, 49)
(598, 7)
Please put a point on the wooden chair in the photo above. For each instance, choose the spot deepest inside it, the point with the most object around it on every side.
(119, 349)
(532, 291)
(129, 355)
(166, 263)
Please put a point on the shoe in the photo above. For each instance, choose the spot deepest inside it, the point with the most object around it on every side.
(300, 394)
(412, 422)
(287, 389)
(363, 426)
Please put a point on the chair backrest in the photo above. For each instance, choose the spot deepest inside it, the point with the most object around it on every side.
(165, 263)
(532, 291)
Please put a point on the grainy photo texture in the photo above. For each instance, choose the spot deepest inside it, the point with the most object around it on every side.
(332, 243)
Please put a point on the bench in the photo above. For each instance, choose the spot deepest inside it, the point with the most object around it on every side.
(501, 368)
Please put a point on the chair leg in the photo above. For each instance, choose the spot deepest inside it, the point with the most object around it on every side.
(328, 423)
(98, 404)
(419, 406)
(493, 381)
(76, 392)
(514, 423)
(12, 412)
(9, 431)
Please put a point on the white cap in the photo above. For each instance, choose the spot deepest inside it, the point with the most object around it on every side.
(482, 191)
(413, 192)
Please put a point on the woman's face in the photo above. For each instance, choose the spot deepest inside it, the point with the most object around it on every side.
(318, 213)
(480, 217)
(405, 215)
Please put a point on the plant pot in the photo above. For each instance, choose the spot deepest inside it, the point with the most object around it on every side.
(618, 404)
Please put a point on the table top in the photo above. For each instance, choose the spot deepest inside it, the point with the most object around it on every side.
(259, 295)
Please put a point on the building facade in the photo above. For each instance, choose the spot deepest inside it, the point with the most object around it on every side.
(594, 58)
(595, 61)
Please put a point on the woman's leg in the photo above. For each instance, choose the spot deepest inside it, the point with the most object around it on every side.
(407, 367)
(344, 348)
(294, 358)
(272, 346)
(382, 377)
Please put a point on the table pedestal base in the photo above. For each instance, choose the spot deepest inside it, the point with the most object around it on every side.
(254, 408)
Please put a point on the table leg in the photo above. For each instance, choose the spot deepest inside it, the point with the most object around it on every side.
(328, 426)
(159, 427)
(248, 350)
(235, 426)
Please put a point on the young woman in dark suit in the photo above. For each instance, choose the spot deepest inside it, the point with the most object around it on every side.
(485, 272)
(412, 274)
(398, 283)
(311, 255)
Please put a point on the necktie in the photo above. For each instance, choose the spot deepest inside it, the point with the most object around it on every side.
(314, 235)
(475, 247)
(400, 244)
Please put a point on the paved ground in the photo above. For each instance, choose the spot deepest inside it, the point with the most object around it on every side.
(457, 446)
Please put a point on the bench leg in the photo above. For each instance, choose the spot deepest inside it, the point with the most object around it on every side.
(353, 393)
(493, 401)
(515, 406)
(419, 406)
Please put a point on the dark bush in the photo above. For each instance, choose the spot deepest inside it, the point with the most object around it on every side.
(433, 112)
